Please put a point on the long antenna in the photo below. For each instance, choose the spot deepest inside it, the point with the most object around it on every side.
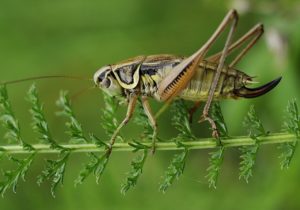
(43, 77)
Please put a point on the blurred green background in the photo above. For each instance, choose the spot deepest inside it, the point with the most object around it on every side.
(77, 37)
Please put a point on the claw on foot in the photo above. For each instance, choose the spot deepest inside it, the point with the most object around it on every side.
(215, 132)
(153, 149)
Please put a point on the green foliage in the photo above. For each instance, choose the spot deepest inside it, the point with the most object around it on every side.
(137, 165)
(292, 125)
(253, 124)
(216, 157)
(175, 169)
(217, 116)
(75, 129)
(96, 164)
(138, 162)
(40, 124)
(54, 171)
(9, 120)
(247, 163)
(215, 163)
(12, 177)
(109, 121)
(249, 153)
(181, 122)
(142, 120)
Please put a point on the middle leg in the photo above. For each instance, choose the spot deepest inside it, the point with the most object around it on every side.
(152, 120)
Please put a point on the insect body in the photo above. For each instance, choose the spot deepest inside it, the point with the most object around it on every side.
(196, 78)
(145, 77)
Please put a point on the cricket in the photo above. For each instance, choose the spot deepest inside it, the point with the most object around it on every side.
(198, 77)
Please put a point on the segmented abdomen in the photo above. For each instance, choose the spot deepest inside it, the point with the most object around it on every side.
(155, 68)
(198, 88)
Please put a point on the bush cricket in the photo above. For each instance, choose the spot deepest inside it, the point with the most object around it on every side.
(197, 78)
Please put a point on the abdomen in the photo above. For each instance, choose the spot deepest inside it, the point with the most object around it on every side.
(198, 88)
(155, 68)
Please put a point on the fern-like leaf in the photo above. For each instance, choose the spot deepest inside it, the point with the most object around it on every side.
(292, 125)
(247, 163)
(249, 153)
(217, 116)
(9, 120)
(12, 177)
(175, 170)
(96, 164)
(180, 121)
(54, 171)
(215, 163)
(40, 124)
(137, 165)
(75, 128)
(216, 157)
(108, 118)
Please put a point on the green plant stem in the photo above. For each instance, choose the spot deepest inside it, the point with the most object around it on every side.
(204, 143)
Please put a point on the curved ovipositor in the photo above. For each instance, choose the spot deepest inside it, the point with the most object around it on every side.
(246, 92)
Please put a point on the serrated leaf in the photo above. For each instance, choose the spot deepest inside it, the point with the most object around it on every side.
(95, 166)
(137, 165)
(54, 171)
(75, 128)
(98, 142)
(217, 116)
(109, 121)
(174, 171)
(40, 124)
(9, 121)
(247, 163)
(181, 122)
(248, 157)
(292, 125)
(215, 163)
(12, 178)
(253, 124)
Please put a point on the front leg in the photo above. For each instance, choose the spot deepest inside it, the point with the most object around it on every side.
(131, 105)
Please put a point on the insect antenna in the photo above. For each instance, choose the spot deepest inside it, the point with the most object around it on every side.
(43, 77)
(81, 92)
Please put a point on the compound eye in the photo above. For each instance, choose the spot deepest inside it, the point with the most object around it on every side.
(106, 83)
(99, 80)
(101, 77)
(101, 74)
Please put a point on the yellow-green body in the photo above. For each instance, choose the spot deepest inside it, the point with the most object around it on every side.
(155, 68)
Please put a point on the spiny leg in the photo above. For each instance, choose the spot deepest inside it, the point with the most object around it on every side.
(205, 115)
(181, 74)
(130, 110)
(253, 35)
(152, 120)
